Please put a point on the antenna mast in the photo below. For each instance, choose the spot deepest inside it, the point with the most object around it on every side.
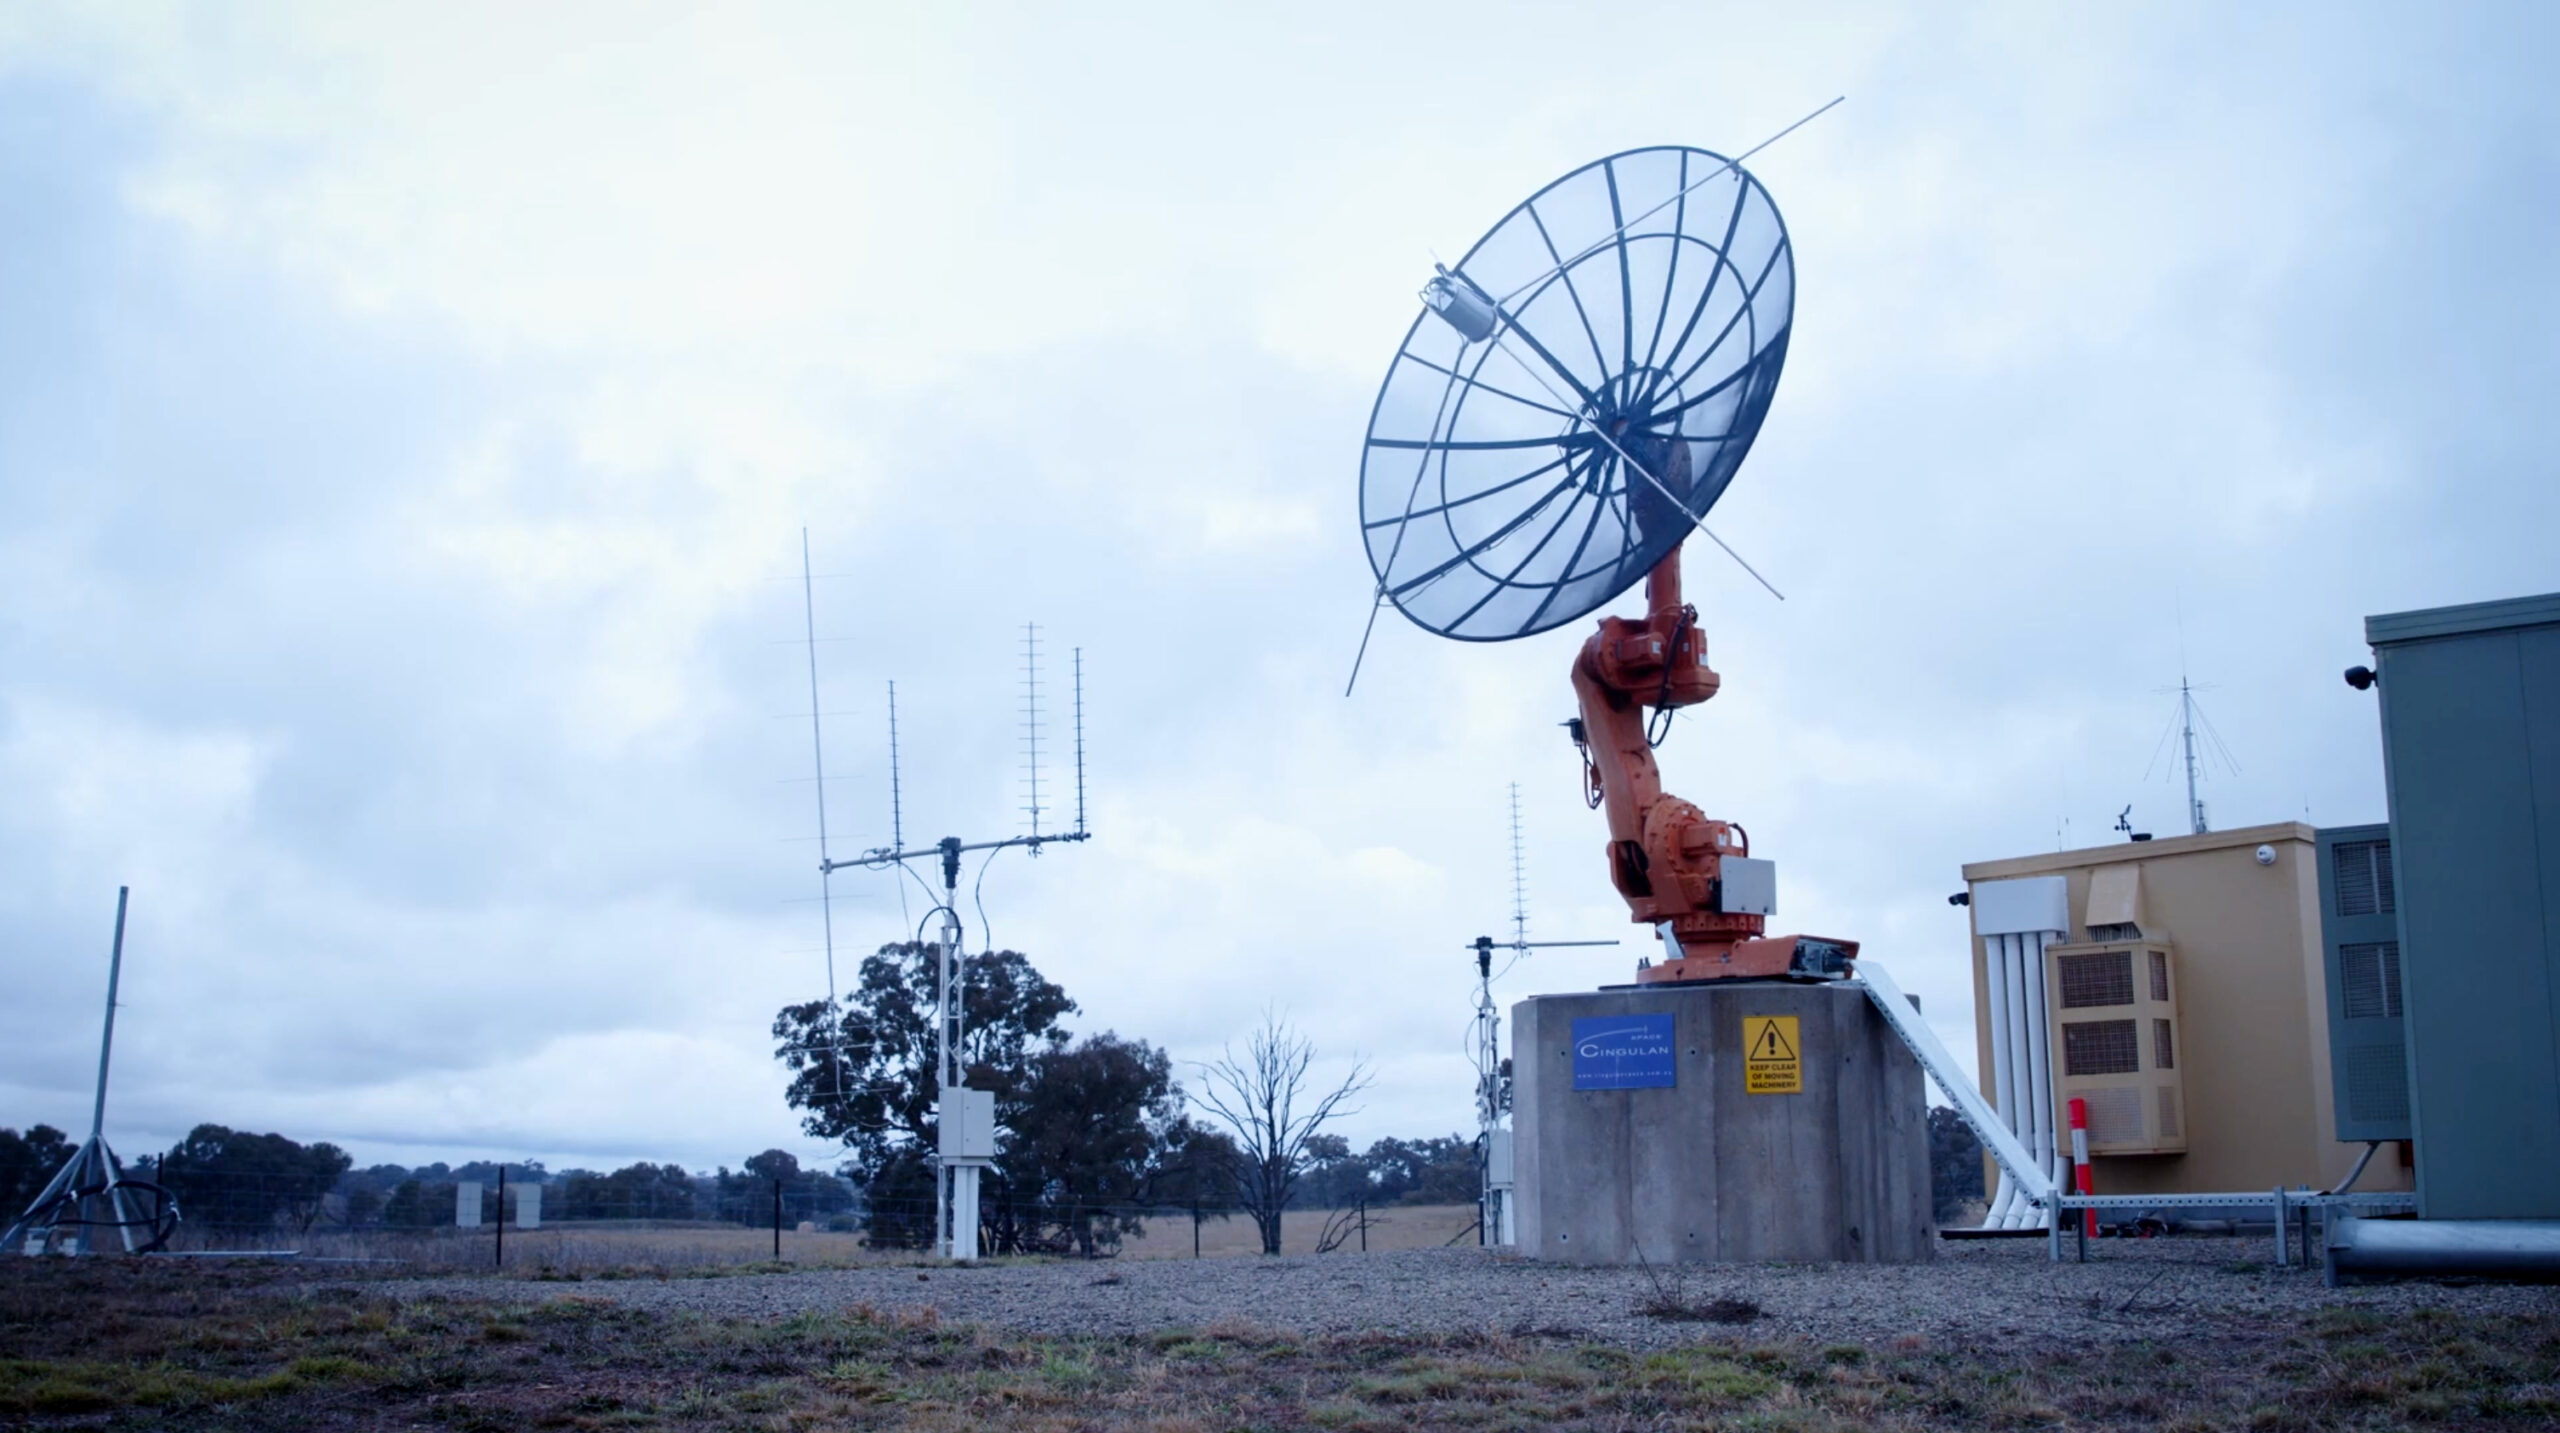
(955, 1218)
(90, 1190)
(1493, 1221)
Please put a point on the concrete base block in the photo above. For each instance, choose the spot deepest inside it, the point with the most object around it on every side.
(1700, 1168)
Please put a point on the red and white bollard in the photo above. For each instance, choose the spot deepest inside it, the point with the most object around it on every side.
(2081, 1175)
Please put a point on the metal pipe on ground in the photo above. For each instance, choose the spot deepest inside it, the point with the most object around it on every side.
(2522, 1249)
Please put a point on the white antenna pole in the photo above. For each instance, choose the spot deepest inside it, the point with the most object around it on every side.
(107, 1038)
(1488, 1053)
(948, 1055)
(950, 1004)
(826, 870)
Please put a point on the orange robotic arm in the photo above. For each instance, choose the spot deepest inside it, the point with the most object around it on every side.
(1667, 857)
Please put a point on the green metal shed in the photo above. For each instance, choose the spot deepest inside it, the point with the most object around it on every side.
(2470, 700)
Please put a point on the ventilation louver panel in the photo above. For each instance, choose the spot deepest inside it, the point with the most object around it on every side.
(2378, 1082)
(2100, 1047)
(2114, 1027)
(2363, 874)
(2360, 950)
(2099, 978)
(2115, 1116)
(2369, 974)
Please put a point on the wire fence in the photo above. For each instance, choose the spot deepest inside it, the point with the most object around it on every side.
(591, 1226)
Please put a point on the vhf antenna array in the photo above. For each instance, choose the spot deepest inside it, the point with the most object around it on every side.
(1493, 1217)
(1519, 944)
(949, 848)
(950, 977)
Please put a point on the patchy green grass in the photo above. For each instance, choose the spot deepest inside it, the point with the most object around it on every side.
(119, 1344)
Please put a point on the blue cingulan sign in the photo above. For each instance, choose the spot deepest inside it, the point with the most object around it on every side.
(1623, 1052)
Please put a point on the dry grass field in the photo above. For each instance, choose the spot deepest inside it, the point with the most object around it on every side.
(151, 1344)
(593, 1250)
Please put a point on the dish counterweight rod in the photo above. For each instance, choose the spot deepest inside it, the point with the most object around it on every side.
(1421, 470)
(107, 1039)
(1619, 232)
(1363, 654)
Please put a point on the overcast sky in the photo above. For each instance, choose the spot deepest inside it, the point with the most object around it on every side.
(408, 419)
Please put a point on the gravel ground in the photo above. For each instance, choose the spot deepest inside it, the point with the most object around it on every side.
(1985, 1294)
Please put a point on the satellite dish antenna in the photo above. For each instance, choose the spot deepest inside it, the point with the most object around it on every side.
(1578, 391)
(1576, 394)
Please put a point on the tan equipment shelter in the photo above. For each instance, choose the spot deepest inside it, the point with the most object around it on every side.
(2181, 993)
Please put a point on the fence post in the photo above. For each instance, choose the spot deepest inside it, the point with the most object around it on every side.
(500, 1261)
(1195, 1228)
(777, 1221)
(1364, 1224)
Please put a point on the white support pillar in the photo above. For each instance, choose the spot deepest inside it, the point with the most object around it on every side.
(964, 1211)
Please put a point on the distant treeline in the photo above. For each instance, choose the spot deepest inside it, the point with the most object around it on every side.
(234, 1179)
(1393, 1171)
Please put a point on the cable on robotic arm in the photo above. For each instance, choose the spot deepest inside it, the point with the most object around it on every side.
(1657, 727)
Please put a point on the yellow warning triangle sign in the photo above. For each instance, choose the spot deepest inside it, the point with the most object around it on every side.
(1770, 1045)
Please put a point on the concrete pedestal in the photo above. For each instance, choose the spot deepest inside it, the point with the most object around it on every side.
(1682, 1162)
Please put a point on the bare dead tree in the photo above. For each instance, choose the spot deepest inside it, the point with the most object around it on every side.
(1265, 1102)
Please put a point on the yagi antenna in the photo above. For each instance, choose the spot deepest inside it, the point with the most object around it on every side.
(1079, 681)
(1519, 877)
(897, 820)
(1031, 724)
